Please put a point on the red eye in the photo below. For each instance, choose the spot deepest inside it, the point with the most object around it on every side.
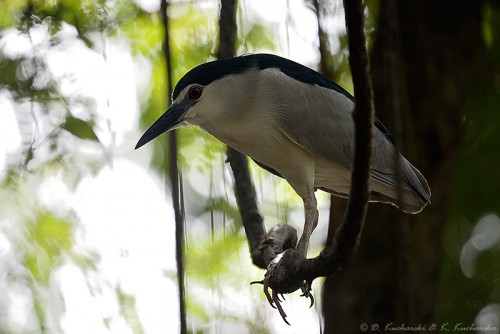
(194, 92)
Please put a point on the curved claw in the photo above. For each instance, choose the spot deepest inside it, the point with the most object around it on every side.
(265, 282)
(312, 300)
(306, 292)
(280, 309)
(273, 300)
(280, 295)
(310, 296)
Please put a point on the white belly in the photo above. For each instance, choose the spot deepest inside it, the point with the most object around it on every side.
(270, 147)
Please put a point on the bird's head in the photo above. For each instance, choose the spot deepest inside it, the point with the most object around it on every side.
(222, 88)
(184, 109)
(205, 93)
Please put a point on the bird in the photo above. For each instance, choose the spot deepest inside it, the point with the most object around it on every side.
(293, 122)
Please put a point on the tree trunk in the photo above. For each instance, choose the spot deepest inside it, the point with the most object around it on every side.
(395, 275)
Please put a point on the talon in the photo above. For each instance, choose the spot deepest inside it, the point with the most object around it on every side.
(306, 292)
(312, 300)
(273, 300)
(265, 282)
(280, 309)
(280, 295)
(306, 288)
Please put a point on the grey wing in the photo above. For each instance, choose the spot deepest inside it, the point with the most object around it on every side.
(320, 120)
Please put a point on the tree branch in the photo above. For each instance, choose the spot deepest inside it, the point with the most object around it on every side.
(253, 222)
(174, 178)
(347, 236)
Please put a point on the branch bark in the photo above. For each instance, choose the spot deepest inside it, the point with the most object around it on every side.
(326, 59)
(174, 178)
(347, 236)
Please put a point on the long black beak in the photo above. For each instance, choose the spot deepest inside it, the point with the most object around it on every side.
(166, 122)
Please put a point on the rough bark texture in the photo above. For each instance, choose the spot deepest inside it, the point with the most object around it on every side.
(326, 64)
(395, 275)
(363, 116)
(227, 29)
(173, 173)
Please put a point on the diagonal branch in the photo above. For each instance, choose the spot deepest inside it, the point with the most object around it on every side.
(174, 178)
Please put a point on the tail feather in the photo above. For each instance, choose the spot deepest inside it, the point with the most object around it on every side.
(415, 189)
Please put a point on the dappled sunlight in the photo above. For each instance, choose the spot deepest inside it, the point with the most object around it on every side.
(488, 319)
(484, 236)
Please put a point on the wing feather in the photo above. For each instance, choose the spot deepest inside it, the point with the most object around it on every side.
(320, 120)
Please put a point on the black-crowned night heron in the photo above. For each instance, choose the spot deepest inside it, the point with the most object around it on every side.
(293, 122)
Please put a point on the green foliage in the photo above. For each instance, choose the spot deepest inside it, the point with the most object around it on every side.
(9, 12)
(222, 252)
(79, 128)
(129, 311)
(222, 205)
(257, 37)
(219, 270)
(491, 28)
(145, 34)
(475, 169)
(470, 273)
(482, 135)
(50, 237)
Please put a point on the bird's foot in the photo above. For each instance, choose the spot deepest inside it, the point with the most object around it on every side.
(306, 292)
(273, 298)
(281, 278)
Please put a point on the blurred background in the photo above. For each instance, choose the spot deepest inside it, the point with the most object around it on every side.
(86, 223)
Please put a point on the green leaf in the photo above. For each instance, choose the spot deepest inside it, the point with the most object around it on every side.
(128, 309)
(79, 128)
(50, 237)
